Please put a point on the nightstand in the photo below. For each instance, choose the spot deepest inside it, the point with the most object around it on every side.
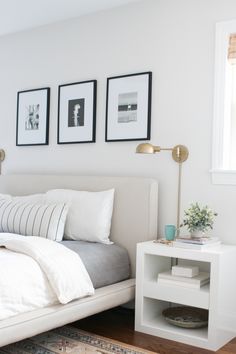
(219, 296)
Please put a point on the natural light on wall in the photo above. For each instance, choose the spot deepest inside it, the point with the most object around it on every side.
(224, 129)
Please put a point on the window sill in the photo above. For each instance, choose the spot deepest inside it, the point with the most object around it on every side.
(227, 177)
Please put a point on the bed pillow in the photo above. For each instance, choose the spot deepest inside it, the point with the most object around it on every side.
(32, 198)
(89, 215)
(33, 219)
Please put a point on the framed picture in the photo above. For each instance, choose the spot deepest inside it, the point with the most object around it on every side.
(128, 107)
(77, 112)
(32, 123)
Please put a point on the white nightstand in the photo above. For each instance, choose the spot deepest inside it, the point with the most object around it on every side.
(219, 297)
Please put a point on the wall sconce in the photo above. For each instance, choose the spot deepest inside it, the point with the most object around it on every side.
(2, 158)
(179, 154)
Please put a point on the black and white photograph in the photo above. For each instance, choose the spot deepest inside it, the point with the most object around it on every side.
(77, 112)
(128, 107)
(33, 117)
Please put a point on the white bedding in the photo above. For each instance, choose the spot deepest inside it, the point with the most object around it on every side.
(37, 272)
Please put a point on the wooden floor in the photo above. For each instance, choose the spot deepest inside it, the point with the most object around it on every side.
(118, 324)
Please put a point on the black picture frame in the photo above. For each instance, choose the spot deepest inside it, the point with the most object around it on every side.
(128, 121)
(77, 104)
(32, 117)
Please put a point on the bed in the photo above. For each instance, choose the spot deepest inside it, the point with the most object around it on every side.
(134, 220)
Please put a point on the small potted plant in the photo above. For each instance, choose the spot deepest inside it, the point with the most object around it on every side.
(198, 220)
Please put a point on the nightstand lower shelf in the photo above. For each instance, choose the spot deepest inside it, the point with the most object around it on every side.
(159, 327)
(178, 294)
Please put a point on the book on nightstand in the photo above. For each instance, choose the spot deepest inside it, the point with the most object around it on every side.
(196, 243)
(166, 278)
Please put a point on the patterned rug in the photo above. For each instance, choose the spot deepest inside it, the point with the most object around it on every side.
(71, 340)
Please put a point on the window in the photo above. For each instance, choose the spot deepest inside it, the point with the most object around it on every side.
(224, 130)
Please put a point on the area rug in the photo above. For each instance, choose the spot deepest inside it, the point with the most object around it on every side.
(71, 340)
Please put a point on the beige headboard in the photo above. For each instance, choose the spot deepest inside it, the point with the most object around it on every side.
(135, 208)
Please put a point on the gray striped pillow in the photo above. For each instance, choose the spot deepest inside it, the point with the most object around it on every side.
(33, 219)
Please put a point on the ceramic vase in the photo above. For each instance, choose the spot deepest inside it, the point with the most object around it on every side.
(197, 234)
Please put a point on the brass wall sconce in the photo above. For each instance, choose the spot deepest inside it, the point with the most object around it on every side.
(2, 158)
(179, 154)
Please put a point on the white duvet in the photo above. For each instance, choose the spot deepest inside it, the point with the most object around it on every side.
(37, 272)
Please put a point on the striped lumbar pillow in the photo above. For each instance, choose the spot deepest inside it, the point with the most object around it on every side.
(33, 219)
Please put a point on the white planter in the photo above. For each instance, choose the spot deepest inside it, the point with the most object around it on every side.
(197, 234)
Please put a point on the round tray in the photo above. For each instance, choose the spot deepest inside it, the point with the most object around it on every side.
(187, 317)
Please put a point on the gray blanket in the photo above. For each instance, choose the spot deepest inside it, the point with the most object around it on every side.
(106, 264)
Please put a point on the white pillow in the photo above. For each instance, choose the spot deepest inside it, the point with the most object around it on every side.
(33, 219)
(32, 198)
(89, 215)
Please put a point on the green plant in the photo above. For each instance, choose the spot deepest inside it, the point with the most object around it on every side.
(196, 218)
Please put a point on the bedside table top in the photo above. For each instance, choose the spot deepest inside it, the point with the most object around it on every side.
(208, 253)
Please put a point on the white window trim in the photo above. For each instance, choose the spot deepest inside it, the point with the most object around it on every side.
(221, 175)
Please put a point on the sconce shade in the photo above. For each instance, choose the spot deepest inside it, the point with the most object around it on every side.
(147, 148)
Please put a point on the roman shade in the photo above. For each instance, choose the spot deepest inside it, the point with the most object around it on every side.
(232, 49)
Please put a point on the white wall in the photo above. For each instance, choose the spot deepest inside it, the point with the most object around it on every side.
(172, 38)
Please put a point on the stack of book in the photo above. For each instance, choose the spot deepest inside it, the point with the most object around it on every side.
(196, 243)
(184, 276)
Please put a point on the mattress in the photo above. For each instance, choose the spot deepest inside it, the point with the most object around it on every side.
(106, 264)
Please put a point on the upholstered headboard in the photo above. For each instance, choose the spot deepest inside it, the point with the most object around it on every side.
(135, 207)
